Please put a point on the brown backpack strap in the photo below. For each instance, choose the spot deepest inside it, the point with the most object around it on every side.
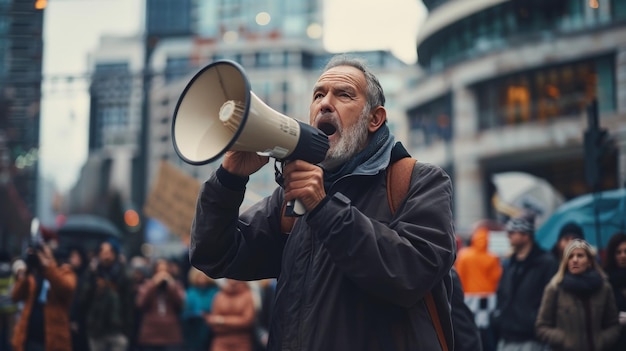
(398, 182)
(434, 316)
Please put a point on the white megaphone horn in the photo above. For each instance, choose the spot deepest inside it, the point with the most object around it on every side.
(218, 112)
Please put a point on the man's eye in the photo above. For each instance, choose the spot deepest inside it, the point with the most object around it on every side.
(318, 96)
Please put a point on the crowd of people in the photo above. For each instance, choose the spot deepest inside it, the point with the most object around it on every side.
(371, 264)
(567, 298)
(102, 301)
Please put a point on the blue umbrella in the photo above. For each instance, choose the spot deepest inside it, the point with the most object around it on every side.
(611, 215)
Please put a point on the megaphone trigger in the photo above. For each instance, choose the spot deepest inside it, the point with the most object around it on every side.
(294, 208)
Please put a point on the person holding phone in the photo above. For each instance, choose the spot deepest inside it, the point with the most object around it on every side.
(47, 289)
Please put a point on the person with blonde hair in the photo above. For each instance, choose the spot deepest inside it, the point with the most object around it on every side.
(578, 310)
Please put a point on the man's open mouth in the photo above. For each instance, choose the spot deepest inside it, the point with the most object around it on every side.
(327, 127)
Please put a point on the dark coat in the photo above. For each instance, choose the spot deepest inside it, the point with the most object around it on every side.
(466, 333)
(56, 309)
(562, 321)
(352, 275)
(520, 292)
(107, 300)
(617, 278)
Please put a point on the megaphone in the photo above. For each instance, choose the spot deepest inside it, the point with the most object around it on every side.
(218, 112)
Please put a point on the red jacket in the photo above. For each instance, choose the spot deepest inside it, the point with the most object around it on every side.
(160, 323)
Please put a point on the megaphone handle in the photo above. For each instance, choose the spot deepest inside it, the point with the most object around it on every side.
(294, 208)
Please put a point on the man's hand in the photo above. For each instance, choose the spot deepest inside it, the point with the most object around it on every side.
(243, 163)
(305, 182)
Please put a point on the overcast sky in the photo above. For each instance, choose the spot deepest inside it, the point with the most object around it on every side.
(72, 28)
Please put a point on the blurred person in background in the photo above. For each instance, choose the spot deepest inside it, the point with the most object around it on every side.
(615, 268)
(107, 300)
(47, 290)
(232, 317)
(466, 334)
(161, 299)
(267, 294)
(139, 270)
(198, 301)
(578, 311)
(77, 259)
(569, 231)
(479, 272)
(7, 306)
(526, 273)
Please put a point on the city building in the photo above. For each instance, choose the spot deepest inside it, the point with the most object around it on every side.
(21, 49)
(506, 86)
(281, 73)
(136, 83)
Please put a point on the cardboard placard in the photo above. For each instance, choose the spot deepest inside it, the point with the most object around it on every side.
(172, 199)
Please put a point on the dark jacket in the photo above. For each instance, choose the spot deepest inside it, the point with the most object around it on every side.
(563, 323)
(466, 333)
(352, 275)
(617, 279)
(520, 292)
(106, 298)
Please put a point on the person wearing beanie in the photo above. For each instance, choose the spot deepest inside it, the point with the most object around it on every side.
(569, 231)
(526, 273)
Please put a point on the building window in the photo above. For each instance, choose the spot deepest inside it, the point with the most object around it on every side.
(547, 93)
(512, 22)
(619, 9)
(431, 122)
(176, 68)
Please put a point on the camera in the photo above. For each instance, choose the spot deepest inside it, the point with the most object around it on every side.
(32, 260)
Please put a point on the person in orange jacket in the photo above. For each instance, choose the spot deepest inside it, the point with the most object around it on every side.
(479, 271)
(47, 290)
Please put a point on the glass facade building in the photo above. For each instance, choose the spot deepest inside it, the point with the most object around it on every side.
(506, 87)
(21, 50)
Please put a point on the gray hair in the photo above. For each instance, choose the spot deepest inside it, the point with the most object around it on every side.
(375, 93)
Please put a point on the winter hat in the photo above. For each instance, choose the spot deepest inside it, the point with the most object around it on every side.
(115, 245)
(571, 230)
(524, 223)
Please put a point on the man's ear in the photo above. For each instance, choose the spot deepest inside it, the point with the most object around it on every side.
(377, 119)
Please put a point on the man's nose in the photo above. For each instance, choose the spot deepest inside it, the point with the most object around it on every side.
(326, 104)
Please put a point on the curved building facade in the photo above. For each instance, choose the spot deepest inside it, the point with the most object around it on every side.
(506, 86)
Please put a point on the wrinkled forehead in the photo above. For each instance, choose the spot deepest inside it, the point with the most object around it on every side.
(346, 75)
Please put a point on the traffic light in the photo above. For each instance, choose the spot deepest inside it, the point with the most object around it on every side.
(596, 144)
(132, 220)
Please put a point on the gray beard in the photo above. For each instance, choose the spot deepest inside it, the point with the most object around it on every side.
(351, 141)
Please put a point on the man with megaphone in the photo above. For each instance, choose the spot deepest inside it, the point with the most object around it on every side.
(353, 273)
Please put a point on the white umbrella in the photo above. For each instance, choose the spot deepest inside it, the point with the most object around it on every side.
(519, 191)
